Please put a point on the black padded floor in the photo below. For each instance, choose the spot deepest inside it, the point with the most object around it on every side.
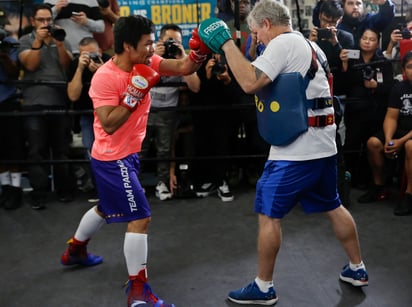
(199, 250)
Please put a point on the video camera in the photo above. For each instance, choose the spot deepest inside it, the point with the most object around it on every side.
(57, 33)
(220, 66)
(368, 73)
(368, 69)
(5, 46)
(171, 50)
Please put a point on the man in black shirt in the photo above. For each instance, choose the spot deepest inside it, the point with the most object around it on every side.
(332, 40)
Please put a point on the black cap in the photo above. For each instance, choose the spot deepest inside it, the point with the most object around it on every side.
(3, 18)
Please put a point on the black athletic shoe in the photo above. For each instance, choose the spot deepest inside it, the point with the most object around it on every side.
(404, 207)
(375, 193)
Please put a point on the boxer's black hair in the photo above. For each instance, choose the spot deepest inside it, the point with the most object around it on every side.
(130, 30)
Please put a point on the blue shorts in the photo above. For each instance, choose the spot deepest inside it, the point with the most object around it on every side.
(121, 196)
(311, 183)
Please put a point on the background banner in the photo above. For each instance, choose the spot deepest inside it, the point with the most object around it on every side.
(185, 13)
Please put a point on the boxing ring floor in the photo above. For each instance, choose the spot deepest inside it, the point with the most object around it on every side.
(199, 250)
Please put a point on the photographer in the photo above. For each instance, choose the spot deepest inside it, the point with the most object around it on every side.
(161, 125)
(11, 134)
(110, 11)
(80, 75)
(332, 40)
(45, 58)
(402, 32)
(357, 18)
(79, 18)
(213, 137)
(370, 79)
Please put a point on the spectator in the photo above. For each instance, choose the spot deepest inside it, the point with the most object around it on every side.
(213, 139)
(18, 17)
(46, 58)
(161, 125)
(244, 9)
(79, 18)
(11, 133)
(332, 40)
(394, 139)
(110, 12)
(401, 33)
(80, 75)
(369, 80)
(356, 19)
(224, 10)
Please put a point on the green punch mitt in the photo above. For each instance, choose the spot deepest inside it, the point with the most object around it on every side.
(214, 33)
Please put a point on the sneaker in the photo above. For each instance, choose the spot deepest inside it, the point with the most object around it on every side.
(404, 207)
(77, 253)
(375, 193)
(87, 260)
(93, 199)
(206, 189)
(224, 193)
(358, 278)
(251, 294)
(88, 186)
(140, 294)
(162, 191)
(65, 197)
(37, 200)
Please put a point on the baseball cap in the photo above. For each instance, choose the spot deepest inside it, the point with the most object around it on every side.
(3, 18)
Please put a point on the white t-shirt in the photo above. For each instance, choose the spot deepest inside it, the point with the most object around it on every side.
(290, 52)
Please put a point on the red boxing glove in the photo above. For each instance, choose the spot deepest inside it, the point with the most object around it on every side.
(198, 49)
(142, 79)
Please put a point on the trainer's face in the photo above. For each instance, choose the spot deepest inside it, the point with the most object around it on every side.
(144, 50)
(353, 8)
(263, 33)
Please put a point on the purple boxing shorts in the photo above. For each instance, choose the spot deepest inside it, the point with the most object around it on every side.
(121, 196)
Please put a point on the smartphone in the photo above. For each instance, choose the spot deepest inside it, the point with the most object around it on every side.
(353, 54)
(76, 13)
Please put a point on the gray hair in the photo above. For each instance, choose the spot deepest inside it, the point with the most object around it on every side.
(277, 13)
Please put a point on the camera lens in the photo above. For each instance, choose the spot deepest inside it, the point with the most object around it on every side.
(368, 73)
(95, 57)
(57, 33)
(218, 69)
(171, 49)
(406, 34)
(220, 66)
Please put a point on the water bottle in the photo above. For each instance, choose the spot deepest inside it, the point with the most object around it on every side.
(348, 177)
(395, 154)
